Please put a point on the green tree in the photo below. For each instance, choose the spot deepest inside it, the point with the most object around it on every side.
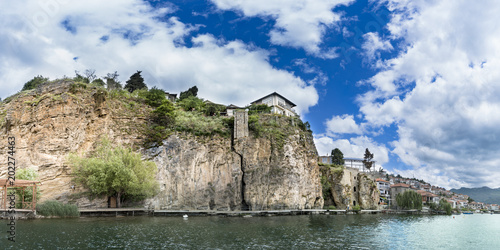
(155, 97)
(193, 91)
(29, 174)
(115, 171)
(470, 199)
(135, 82)
(33, 83)
(409, 200)
(192, 103)
(337, 157)
(98, 82)
(445, 206)
(368, 159)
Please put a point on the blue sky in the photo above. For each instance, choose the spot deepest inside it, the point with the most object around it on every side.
(416, 82)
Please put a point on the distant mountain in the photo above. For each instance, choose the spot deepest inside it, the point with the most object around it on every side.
(483, 194)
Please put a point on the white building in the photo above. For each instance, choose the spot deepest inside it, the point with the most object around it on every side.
(279, 104)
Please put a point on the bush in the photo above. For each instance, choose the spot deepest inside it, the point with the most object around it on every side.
(200, 125)
(259, 109)
(33, 83)
(192, 103)
(154, 97)
(356, 208)
(164, 114)
(55, 208)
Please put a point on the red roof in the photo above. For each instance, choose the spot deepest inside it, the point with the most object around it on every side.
(400, 185)
(381, 180)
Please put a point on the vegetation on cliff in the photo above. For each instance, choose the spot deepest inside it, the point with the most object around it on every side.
(115, 171)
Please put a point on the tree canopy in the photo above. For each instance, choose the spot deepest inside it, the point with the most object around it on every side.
(135, 82)
(337, 157)
(368, 159)
(33, 83)
(409, 200)
(115, 171)
(193, 91)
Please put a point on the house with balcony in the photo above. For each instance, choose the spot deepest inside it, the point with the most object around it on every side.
(385, 190)
(278, 103)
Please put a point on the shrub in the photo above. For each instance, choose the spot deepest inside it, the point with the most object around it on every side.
(259, 109)
(33, 83)
(55, 208)
(356, 208)
(164, 114)
(192, 103)
(154, 97)
(200, 125)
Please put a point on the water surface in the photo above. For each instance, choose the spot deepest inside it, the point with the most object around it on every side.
(283, 232)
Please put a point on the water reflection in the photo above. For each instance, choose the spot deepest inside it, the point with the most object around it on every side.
(286, 232)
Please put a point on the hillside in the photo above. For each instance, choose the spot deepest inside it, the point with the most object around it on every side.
(483, 194)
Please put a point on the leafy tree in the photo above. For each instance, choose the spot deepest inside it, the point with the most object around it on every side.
(115, 171)
(29, 174)
(409, 200)
(470, 199)
(445, 206)
(98, 82)
(337, 157)
(33, 83)
(193, 91)
(135, 82)
(192, 103)
(164, 114)
(368, 159)
(112, 81)
(155, 97)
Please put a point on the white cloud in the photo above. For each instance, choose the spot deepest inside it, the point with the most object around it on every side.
(373, 45)
(299, 23)
(353, 148)
(442, 90)
(126, 36)
(344, 124)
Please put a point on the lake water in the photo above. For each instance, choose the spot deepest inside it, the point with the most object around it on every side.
(283, 232)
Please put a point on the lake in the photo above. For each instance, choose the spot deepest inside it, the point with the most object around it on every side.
(283, 232)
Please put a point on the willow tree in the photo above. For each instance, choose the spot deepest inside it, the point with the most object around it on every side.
(409, 200)
(115, 172)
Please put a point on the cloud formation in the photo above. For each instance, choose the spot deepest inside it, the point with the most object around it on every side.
(54, 38)
(442, 90)
(344, 124)
(299, 23)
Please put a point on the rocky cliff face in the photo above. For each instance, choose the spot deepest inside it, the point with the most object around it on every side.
(193, 172)
(248, 173)
(350, 187)
(56, 119)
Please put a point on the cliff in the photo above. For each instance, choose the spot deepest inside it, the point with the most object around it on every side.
(348, 186)
(274, 168)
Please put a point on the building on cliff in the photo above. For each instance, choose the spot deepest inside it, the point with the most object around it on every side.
(279, 104)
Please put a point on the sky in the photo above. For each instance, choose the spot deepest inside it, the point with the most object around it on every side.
(414, 81)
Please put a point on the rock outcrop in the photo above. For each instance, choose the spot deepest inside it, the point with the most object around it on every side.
(194, 172)
(349, 186)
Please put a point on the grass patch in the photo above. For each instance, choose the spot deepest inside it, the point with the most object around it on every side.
(55, 208)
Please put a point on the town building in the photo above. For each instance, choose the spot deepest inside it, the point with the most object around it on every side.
(385, 190)
(279, 104)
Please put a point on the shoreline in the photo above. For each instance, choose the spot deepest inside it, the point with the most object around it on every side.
(131, 212)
